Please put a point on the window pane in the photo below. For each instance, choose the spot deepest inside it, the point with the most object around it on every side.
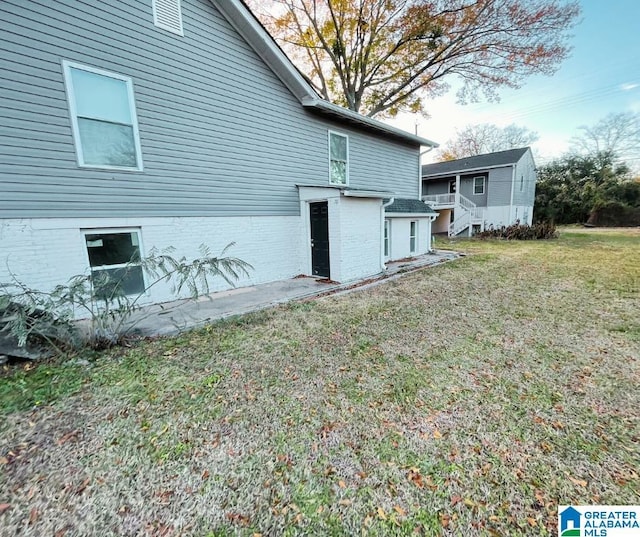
(338, 147)
(107, 143)
(112, 248)
(339, 172)
(117, 282)
(101, 97)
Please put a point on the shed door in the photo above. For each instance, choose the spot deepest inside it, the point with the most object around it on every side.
(319, 215)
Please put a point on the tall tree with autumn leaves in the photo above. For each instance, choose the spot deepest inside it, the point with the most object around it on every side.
(379, 57)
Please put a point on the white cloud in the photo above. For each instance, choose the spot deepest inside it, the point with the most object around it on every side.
(629, 86)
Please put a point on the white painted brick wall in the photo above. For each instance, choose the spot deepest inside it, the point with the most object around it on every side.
(360, 238)
(46, 252)
(400, 236)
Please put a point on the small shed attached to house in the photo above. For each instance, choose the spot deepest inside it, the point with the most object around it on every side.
(407, 228)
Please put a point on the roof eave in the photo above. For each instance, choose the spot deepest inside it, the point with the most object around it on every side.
(366, 193)
(408, 215)
(249, 27)
(465, 171)
(353, 117)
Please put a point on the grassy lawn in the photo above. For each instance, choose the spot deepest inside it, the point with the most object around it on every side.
(467, 399)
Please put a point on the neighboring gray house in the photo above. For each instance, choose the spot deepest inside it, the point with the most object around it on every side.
(474, 193)
(133, 124)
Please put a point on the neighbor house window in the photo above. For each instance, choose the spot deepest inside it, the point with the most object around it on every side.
(167, 14)
(478, 185)
(413, 236)
(387, 238)
(338, 159)
(103, 118)
(115, 260)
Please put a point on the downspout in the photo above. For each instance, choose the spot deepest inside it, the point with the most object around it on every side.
(382, 208)
(432, 219)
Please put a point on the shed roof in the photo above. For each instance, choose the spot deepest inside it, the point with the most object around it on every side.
(408, 206)
(488, 160)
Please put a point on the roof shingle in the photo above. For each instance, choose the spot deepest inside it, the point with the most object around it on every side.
(404, 205)
(499, 158)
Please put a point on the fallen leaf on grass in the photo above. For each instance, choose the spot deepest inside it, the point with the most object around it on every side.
(345, 502)
(73, 435)
(237, 518)
(532, 522)
(342, 484)
(4, 460)
(83, 485)
(580, 482)
(546, 447)
(455, 500)
(382, 514)
(4, 507)
(33, 515)
(444, 520)
(399, 510)
(437, 434)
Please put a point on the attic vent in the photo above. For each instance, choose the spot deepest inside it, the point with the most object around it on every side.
(168, 15)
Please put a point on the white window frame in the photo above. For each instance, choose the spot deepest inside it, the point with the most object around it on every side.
(158, 23)
(71, 98)
(413, 236)
(114, 230)
(387, 238)
(483, 185)
(346, 137)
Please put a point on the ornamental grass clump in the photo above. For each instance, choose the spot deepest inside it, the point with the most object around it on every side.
(47, 318)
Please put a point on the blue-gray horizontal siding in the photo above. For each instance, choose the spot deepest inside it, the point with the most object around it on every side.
(466, 189)
(439, 186)
(525, 169)
(499, 187)
(220, 133)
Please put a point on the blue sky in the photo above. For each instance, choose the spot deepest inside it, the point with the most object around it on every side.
(601, 76)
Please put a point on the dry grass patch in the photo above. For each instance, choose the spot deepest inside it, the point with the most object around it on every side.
(466, 399)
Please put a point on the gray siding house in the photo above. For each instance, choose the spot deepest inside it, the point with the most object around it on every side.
(474, 193)
(136, 124)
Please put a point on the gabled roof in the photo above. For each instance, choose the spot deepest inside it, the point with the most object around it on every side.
(408, 206)
(254, 33)
(488, 160)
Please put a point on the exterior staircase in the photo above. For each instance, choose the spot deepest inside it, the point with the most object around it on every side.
(467, 213)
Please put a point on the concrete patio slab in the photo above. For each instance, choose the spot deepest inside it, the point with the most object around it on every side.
(174, 317)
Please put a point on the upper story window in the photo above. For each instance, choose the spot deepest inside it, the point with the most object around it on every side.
(167, 14)
(103, 118)
(338, 159)
(478, 185)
